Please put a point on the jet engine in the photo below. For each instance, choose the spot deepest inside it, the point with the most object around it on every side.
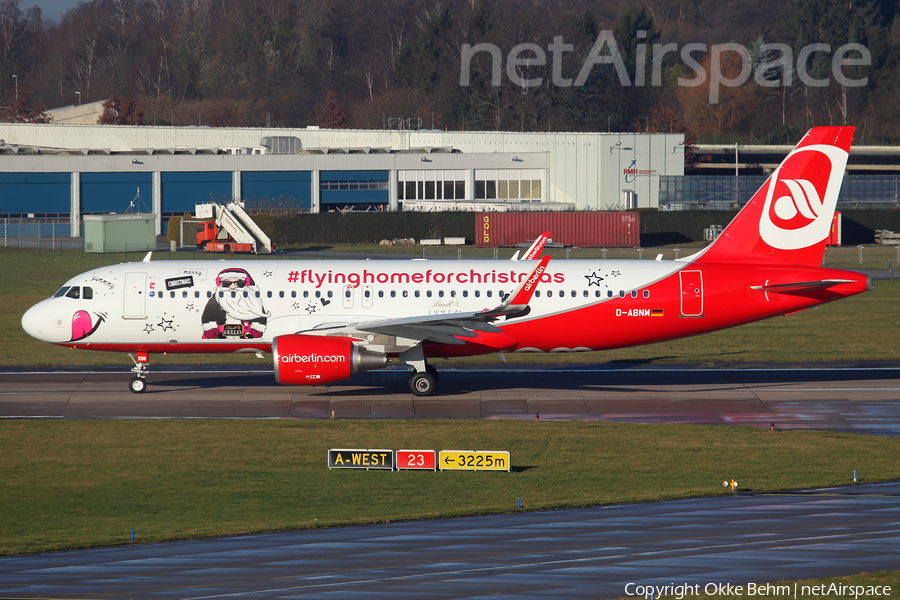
(316, 360)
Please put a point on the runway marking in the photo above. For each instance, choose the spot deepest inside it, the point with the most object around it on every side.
(447, 574)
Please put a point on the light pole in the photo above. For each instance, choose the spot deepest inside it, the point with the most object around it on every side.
(16, 77)
(79, 98)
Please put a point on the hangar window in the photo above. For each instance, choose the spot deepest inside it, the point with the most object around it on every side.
(431, 184)
(522, 185)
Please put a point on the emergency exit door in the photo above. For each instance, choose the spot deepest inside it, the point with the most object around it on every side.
(691, 293)
(135, 306)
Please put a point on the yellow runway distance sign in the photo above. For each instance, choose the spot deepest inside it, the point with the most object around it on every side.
(473, 460)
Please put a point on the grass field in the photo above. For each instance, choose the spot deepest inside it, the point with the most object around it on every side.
(866, 325)
(81, 483)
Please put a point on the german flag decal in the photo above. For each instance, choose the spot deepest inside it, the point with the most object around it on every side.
(656, 312)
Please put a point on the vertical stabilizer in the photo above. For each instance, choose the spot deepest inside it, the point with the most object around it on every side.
(789, 219)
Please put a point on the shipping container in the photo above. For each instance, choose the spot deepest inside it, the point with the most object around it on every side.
(584, 229)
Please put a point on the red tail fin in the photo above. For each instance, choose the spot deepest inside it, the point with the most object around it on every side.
(789, 218)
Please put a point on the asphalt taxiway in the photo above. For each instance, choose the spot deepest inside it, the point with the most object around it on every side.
(862, 398)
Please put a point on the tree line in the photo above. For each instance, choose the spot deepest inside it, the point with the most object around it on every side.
(541, 65)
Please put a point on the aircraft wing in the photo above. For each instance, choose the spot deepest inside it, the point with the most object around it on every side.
(448, 328)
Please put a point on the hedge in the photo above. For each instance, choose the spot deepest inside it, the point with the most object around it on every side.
(657, 227)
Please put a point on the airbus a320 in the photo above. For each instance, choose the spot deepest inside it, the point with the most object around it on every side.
(325, 320)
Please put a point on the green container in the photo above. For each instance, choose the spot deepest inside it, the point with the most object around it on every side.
(123, 232)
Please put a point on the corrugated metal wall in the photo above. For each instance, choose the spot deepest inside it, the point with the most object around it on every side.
(277, 185)
(35, 193)
(114, 192)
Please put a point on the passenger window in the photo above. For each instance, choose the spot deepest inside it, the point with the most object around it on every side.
(330, 294)
(281, 294)
(549, 293)
(453, 293)
(171, 294)
(465, 293)
(573, 293)
(646, 293)
(269, 294)
(197, 294)
(417, 293)
(346, 293)
(74, 292)
(428, 293)
(368, 294)
(306, 293)
(293, 293)
(537, 293)
(586, 293)
(234, 294)
(634, 293)
(405, 293)
(621, 293)
(221, 294)
(441, 294)
(184, 294)
(477, 293)
(318, 294)
(87, 293)
(609, 294)
(246, 295)
(489, 293)
(393, 294)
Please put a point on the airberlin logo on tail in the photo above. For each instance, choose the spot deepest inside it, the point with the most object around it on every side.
(801, 197)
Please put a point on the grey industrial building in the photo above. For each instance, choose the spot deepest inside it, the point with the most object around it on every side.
(67, 171)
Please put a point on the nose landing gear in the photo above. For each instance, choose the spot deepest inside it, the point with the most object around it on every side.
(138, 383)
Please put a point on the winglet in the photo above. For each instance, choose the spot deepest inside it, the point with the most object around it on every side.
(147, 258)
(518, 300)
(537, 247)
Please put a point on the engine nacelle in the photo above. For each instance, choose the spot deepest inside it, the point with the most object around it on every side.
(316, 360)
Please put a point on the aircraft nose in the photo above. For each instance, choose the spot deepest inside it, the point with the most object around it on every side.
(40, 323)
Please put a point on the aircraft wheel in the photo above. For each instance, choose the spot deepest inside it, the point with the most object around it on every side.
(137, 385)
(422, 384)
(432, 371)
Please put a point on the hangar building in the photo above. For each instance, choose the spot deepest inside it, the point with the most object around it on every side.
(63, 172)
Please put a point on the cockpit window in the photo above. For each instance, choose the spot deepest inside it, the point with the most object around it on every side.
(62, 292)
(74, 292)
(87, 293)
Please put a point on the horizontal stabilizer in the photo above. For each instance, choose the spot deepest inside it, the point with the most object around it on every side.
(804, 285)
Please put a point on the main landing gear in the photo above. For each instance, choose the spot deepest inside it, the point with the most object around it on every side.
(425, 377)
(138, 383)
(423, 383)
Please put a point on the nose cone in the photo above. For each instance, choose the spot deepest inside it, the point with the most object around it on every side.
(41, 322)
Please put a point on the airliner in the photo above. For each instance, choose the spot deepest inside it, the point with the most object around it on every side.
(325, 320)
